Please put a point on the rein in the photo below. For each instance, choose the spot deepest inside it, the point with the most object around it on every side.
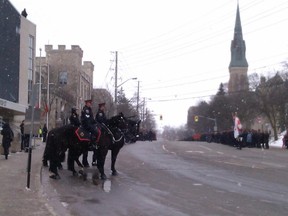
(110, 132)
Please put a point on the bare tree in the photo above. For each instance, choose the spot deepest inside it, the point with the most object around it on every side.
(271, 94)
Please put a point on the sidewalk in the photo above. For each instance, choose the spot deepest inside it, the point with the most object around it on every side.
(15, 198)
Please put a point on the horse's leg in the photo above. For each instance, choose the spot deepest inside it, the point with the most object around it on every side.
(45, 157)
(114, 153)
(79, 163)
(82, 171)
(94, 157)
(70, 162)
(101, 156)
(85, 158)
(53, 169)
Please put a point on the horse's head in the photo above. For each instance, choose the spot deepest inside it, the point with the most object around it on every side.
(118, 121)
(132, 131)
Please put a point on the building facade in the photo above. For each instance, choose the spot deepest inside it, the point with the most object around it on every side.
(238, 66)
(17, 61)
(70, 82)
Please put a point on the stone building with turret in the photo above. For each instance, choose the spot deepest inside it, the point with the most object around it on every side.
(70, 82)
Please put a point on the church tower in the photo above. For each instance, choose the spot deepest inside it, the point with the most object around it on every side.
(238, 66)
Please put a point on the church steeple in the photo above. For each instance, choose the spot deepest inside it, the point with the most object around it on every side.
(238, 47)
(238, 66)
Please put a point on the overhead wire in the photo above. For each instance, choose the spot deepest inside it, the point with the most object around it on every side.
(188, 44)
(129, 65)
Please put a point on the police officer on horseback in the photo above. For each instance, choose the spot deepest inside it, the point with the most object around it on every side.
(100, 115)
(87, 119)
(88, 123)
(102, 120)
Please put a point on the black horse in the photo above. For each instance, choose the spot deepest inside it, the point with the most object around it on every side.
(113, 138)
(58, 141)
(63, 138)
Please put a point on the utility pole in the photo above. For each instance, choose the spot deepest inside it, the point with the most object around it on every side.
(116, 77)
(137, 109)
(48, 93)
(143, 111)
(40, 76)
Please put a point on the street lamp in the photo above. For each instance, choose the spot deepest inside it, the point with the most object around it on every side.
(116, 87)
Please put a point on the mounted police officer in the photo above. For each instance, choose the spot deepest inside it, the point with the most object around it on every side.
(74, 117)
(102, 120)
(88, 123)
(100, 115)
(87, 119)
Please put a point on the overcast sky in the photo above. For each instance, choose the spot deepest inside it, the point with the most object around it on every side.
(178, 49)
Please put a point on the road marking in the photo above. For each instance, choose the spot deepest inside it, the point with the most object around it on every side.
(273, 165)
(163, 147)
(220, 153)
(65, 204)
(197, 184)
(241, 165)
(201, 152)
(209, 149)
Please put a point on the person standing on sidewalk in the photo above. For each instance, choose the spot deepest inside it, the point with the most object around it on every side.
(44, 133)
(237, 130)
(22, 135)
(7, 138)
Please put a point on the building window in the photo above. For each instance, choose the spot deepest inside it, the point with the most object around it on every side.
(63, 78)
(30, 67)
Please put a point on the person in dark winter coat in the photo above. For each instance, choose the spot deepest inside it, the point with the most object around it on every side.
(7, 138)
(44, 133)
(22, 135)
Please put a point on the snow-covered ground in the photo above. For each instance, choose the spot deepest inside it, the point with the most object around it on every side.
(278, 143)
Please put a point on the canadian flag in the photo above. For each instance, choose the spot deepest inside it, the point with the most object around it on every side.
(237, 127)
(46, 109)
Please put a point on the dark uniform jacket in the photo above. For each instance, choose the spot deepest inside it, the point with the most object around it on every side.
(74, 119)
(101, 117)
(87, 119)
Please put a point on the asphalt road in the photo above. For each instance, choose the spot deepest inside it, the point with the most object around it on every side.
(178, 179)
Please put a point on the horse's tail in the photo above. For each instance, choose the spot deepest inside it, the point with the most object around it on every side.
(46, 154)
(50, 146)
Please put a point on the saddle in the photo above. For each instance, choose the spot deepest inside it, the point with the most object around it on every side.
(84, 135)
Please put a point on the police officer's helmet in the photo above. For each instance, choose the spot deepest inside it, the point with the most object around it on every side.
(73, 110)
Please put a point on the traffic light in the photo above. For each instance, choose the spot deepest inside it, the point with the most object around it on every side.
(196, 118)
(161, 117)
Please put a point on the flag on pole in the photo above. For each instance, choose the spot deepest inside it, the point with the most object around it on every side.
(46, 109)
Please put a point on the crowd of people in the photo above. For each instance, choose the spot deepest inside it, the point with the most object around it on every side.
(239, 137)
(248, 138)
